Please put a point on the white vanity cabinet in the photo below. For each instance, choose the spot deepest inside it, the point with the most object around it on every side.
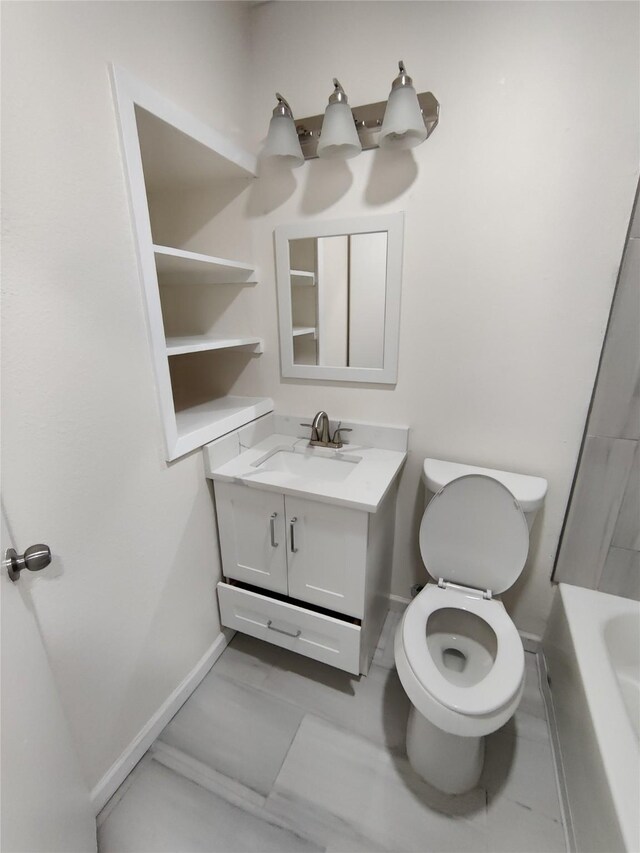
(310, 551)
(251, 526)
(308, 576)
(306, 543)
(327, 555)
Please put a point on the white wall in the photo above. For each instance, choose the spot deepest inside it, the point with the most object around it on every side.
(132, 608)
(516, 213)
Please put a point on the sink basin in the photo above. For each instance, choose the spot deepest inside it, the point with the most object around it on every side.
(357, 476)
(328, 466)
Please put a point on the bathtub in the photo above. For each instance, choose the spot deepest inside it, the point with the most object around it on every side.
(592, 653)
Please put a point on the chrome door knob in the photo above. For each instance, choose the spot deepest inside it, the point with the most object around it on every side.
(35, 558)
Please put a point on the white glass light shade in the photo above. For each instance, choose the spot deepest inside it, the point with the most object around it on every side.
(283, 143)
(338, 138)
(403, 125)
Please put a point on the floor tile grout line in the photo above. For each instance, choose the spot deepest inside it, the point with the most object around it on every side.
(557, 768)
(231, 797)
(392, 754)
(327, 817)
(230, 785)
(259, 811)
(547, 697)
(233, 794)
(119, 794)
(476, 828)
(299, 706)
(393, 750)
(292, 703)
(286, 754)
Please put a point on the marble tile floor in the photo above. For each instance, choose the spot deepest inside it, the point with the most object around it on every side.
(275, 752)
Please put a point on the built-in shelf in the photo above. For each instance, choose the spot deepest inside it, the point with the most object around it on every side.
(188, 156)
(302, 278)
(177, 266)
(202, 343)
(303, 330)
(203, 423)
(169, 155)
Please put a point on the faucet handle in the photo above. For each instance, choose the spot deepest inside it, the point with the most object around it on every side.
(312, 428)
(336, 435)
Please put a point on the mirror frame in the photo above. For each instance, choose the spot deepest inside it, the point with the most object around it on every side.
(393, 224)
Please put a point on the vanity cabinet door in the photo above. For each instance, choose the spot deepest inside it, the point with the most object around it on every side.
(251, 526)
(327, 555)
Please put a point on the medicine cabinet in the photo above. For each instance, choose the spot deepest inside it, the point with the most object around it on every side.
(187, 184)
(339, 288)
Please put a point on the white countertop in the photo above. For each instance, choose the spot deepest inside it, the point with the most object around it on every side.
(363, 489)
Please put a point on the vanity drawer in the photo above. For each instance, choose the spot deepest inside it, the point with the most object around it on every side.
(315, 635)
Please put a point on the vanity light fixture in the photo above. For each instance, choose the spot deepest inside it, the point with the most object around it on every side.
(282, 142)
(404, 121)
(403, 125)
(339, 138)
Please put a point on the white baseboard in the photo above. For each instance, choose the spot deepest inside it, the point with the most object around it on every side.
(120, 769)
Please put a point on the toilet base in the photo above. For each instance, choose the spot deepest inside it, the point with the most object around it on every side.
(451, 763)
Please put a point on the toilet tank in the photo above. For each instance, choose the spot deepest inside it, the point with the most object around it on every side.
(528, 491)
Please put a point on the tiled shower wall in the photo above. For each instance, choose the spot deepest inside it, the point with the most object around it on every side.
(600, 546)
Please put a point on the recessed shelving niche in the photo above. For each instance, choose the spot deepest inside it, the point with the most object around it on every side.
(186, 186)
(203, 343)
(177, 266)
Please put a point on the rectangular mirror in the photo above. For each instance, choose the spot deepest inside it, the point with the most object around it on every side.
(339, 298)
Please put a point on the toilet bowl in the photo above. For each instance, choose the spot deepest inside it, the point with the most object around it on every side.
(458, 654)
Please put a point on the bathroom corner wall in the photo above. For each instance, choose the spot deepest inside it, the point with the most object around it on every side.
(516, 211)
(129, 607)
(600, 546)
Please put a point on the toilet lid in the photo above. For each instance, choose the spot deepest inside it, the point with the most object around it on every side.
(474, 532)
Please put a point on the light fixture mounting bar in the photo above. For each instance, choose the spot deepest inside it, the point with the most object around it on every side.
(368, 120)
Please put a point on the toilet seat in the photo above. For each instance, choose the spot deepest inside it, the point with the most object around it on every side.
(503, 680)
(474, 539)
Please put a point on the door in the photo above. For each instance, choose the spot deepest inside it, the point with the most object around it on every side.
(45, 802)
(252, 535)
(327, 553)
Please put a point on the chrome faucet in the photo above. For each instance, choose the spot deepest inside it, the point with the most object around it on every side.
(320, 433)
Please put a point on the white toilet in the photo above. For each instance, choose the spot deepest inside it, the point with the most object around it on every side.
(458, 654)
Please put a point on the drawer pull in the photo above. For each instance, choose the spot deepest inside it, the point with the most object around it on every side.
(280, 631)
(292, 528)
(272, 521)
